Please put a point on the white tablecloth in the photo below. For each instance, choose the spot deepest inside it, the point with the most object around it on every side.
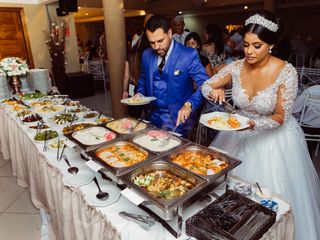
(71, 215)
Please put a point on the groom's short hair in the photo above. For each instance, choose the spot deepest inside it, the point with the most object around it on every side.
(158, 21)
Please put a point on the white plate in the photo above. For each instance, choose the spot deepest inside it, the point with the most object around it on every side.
(205, 117)
(80, 179)
(114, 194)
(143, 101)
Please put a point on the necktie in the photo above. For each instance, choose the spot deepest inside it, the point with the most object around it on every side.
(162, 63)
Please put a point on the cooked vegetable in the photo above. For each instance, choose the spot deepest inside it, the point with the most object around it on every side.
(64, 118)
(163, 184)
(76, 127)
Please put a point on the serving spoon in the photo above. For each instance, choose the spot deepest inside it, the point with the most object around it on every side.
(100, 195)
(72, 170)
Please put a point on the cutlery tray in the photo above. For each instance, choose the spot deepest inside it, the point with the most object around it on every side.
(232, 217)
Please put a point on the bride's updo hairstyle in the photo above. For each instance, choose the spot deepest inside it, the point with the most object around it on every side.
(265, 25)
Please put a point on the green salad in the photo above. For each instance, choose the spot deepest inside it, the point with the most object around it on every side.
(48, 134)
(32, 95)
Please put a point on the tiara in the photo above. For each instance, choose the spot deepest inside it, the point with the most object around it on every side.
(257, 19)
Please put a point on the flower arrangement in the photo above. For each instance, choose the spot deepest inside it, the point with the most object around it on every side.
(13, 66)
(56, 42)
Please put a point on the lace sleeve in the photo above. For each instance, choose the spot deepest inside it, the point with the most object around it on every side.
(287, 93)
(207, 85)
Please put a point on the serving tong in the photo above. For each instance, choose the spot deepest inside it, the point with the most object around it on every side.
(229, 108)
(144, 221)
(166, 140)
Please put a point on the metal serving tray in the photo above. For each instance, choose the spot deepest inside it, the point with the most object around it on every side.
(93, 146)
(166, 209)
(117, 171)
(155, 148)
(232, 162)
(109, 126)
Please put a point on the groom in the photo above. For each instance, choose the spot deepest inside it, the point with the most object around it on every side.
(167, 73)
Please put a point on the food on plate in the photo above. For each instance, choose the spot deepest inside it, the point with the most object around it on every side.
(76, 127)
(61, 143)
(93, 135)
(90, 115)
(78, 110)
(233, 122)
(64, 118)
(224, 122)
(163, 184)
(121, 155)
(18, 108)
(23, 112)
(40, 126)
(50, 109)
(70, 103)
(152, 140)
(41, 103)
(46, 135)
(200, 163)
(103, 120)
(11, 101)
(125, 125)
(32, 95)
(136, 100)
(32, 118)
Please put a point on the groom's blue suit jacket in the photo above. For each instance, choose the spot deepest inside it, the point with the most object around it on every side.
(173, 87)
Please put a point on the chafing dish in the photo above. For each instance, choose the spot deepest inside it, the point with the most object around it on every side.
(151, 138)
(106, 136)
(166, 209)
(227, 162)
(125, 126)
(113, 165)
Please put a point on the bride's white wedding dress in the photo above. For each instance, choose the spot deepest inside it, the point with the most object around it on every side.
(274, 155)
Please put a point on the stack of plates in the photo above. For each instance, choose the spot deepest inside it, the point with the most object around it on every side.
(4, 87)
(25, 86)
(40, 79)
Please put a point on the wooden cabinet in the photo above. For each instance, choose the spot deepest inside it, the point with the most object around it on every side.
(14, 40)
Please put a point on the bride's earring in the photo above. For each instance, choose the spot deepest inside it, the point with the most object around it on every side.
(270, 50)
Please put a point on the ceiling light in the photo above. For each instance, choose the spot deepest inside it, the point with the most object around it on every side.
(87, 14)
(179, 12)
(245, 7)
(79, 7)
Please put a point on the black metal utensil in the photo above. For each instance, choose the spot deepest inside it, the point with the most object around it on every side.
(72, 170)
(100, 195)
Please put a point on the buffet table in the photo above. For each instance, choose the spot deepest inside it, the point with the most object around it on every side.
(72, 217)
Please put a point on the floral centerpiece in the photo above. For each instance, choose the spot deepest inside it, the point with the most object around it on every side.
(56, 42)
(14, 67)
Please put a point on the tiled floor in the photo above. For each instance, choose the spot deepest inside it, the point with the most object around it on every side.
(19, 219)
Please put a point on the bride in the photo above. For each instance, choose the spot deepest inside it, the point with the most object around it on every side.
(273, 151)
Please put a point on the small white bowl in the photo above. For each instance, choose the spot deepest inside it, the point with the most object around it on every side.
(48, 140)
(53, 146)
(91, 118)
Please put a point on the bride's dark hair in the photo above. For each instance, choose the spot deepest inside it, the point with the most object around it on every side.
(264, 33)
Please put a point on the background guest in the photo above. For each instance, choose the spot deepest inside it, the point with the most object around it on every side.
(178, 28)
